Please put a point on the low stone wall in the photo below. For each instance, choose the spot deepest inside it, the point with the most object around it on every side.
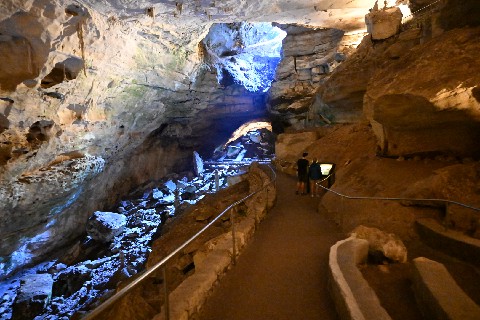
(214, 259)
(438, 295)
(353, 297)
(452, 242)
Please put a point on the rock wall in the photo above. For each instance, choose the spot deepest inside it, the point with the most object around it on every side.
(76, 146)
(96, 97)
(308, 56)
(410, 102)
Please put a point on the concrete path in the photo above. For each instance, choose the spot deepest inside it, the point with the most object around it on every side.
(282, 274)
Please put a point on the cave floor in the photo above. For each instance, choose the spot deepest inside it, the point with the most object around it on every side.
(282, 273)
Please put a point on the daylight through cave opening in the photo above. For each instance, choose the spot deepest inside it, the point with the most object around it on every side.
(244, 53)
(244, 57)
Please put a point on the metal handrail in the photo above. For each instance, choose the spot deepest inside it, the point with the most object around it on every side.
(421, 9)
(392, 198)
(163, 262)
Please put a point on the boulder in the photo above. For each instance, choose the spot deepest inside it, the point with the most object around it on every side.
(172, 186)
(33, 295)
(157, 194)
(388, 244)
(383, 24)
(190, 188)
(104, 226)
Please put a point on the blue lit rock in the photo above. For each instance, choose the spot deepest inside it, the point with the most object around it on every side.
(197, 164)
(248, 53)
(104, 226)
(33, 295)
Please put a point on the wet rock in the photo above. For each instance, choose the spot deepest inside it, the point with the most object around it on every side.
(387, 243)
(33, 295)
(104, 226)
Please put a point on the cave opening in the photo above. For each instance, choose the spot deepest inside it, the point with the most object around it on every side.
(244, 53)
(244, 56)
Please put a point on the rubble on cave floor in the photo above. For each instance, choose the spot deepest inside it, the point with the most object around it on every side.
(92, 268)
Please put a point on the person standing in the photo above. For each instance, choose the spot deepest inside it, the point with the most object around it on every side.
(302, 173)
(314, 173)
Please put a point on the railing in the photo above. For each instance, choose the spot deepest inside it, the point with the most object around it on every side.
(162, 264)
(447, 202)
(420, 15)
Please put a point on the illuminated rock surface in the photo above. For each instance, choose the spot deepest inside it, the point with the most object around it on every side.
(98, 98)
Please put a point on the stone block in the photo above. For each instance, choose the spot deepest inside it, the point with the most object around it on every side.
(383, 24)
(33, 295)
(104, 226)
(438, 295)
(351, 293)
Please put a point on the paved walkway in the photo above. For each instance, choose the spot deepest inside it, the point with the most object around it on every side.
(282, 274)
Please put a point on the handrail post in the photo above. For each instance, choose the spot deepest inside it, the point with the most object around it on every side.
(165, 291)
(266, 208)
(217, 181)
(446, 221)
(234, 249)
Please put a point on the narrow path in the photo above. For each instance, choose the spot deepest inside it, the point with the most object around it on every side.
(282, 274)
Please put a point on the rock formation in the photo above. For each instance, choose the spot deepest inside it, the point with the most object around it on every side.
(97, 98)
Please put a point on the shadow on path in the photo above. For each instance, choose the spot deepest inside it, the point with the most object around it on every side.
(282, 273)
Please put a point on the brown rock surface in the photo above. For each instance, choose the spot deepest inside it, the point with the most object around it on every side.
(383, 24)
(411, 103)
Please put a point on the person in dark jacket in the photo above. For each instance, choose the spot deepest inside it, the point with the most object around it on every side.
(314, 173)
(302, 173)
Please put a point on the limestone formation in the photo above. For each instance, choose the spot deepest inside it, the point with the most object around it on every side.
(33, 295)
(309, 55)
(383, 24)
(409, 112)
(98, 98)
(197, 164)
(120, 84)
(104, 226)
(388, 244)
(290, 146)
(455, 181)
